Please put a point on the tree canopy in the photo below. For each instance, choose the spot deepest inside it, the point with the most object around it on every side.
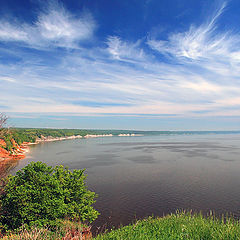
(41, 195)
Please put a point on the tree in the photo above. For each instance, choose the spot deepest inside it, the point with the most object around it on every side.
(40, 195)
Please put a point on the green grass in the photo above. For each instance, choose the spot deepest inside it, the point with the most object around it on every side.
(177, 226)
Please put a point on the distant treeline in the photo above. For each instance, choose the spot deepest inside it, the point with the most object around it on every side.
(30, 134)
(21, 135)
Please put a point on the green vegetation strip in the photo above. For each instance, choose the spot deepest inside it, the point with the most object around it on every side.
(21, 135)
(177, 226)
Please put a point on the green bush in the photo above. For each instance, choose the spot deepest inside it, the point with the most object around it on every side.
(40, 195)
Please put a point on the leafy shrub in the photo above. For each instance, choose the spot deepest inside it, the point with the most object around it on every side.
(40, 195)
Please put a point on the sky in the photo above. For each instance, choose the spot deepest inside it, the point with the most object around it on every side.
(122, 64)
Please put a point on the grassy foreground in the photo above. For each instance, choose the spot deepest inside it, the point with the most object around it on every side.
(177, 226)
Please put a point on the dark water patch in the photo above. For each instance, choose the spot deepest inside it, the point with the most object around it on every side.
(92, 163)
(146, 150)
(96, 160)
(196, 153)
(103, 156)
(228, 160)
(142, 159)
(138, 146)
(65, 152)
(150, 143)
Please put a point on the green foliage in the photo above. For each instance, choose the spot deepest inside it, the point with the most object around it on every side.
(178, 226)
(9, 146)
(40, 195)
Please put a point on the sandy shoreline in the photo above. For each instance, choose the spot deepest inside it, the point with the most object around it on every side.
(52, 139)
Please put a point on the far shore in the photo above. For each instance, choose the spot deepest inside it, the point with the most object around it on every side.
(52, 139)
(20, 151)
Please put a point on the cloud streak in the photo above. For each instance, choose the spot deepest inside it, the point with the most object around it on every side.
(197, 42)
(55, 26)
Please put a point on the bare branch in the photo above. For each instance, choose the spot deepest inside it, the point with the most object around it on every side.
(3, 120)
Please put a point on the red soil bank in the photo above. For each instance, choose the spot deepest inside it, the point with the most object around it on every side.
(16, 154)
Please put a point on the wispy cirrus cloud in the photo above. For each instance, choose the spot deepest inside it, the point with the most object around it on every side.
(198, 42)
(126, 51)
(12, 32)
(59, 26)
(204, 46)
(55, 26)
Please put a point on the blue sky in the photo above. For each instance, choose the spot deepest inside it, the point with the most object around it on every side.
(132, 64)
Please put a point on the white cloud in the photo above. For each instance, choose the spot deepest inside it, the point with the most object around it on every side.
(202, 42)
(58, 25)
(7, 79)
(125, 51)
(10, 32)
(55, 26)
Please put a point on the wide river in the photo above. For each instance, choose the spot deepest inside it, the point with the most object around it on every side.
(152, 175)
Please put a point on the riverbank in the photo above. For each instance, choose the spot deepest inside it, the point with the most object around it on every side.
(8, 159)
(17, 153)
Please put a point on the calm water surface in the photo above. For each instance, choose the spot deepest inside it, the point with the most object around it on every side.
(152, 175)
